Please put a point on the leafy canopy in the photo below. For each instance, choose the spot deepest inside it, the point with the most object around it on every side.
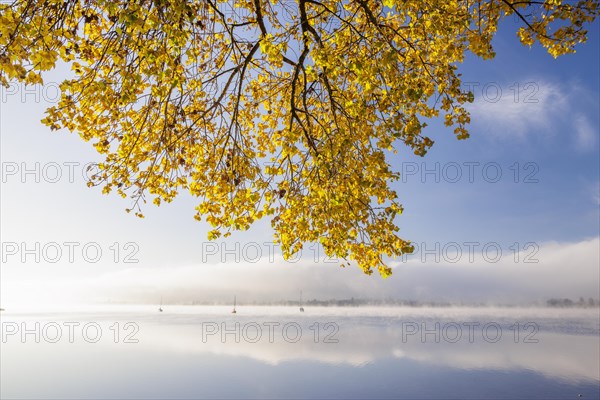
(285, 110)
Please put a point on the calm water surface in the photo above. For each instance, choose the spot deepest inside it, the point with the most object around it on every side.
(279, 352)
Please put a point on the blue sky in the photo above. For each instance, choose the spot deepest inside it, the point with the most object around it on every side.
(549, 133)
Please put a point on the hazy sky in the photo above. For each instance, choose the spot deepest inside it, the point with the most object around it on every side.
(509, 215)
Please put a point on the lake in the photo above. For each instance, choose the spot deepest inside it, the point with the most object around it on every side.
(279, 352)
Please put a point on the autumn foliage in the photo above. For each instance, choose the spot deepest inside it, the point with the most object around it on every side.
(278, 109)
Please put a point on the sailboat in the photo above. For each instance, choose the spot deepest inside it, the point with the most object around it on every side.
(160, 309)
(301, 308)
(234, 312)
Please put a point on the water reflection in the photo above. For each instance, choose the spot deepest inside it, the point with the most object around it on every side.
(476, 341)
(556, 350)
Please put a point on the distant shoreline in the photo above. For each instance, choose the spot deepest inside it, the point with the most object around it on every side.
(550, 303)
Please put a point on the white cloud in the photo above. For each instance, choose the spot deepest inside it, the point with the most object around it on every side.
(541, 108)
(585, 135)
(506, 113)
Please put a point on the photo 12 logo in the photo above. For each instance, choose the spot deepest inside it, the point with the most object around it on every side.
(454, 332)
(271, 332)
(469, 172)
(69, 332)
(70, 252)
(253, 252)
(49, 172)
(472, 252)
(492, 92)
(48, 93)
